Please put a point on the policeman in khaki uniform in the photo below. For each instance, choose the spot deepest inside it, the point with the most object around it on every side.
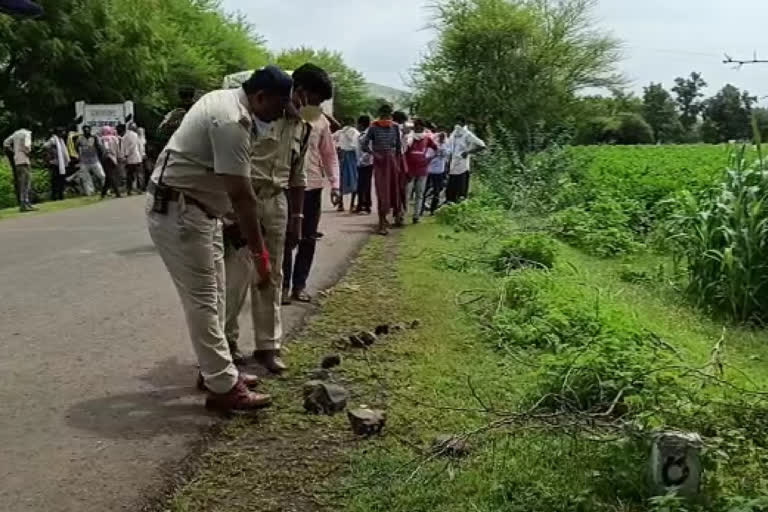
(277, 169)
(277, 165)
(201, 175)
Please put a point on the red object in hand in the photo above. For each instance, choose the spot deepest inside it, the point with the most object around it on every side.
(262, 264)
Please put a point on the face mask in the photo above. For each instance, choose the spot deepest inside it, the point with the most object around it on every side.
(261, 127)
(310, 113)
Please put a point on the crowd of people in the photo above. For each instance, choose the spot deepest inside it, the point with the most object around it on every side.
(235, 198)
(113, 160)
(414, 166)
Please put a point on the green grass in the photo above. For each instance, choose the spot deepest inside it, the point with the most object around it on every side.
(52, 206)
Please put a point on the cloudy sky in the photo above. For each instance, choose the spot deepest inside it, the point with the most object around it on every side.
(662, 39)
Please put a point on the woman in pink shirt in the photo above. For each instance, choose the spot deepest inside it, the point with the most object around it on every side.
(110, 144)
(322, 166)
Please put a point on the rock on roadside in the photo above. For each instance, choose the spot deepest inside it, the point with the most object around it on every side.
(330, 361)
(366, 422)
(323, 398)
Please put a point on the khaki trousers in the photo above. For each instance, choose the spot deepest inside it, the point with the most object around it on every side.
(242, 276)
(191, 246)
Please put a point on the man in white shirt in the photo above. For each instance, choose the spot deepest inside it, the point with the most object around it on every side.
(461, 144)
(130, 154)
(203, 173)
(58, 161)
(18, 147)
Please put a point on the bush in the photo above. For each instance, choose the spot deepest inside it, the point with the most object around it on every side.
(479, 213)
(633, 129)
(602, 227)
(520, 181)
(536, 250)
(40, 186)
(613, 373)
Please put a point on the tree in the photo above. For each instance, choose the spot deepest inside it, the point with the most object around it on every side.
(660, 112)
(105, 51)
(516, 63)
(688, 93)
(727, 115)
(597, 119)
(350, 92)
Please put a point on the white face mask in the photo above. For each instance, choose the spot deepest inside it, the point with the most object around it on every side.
(262, 127)
(310, 113)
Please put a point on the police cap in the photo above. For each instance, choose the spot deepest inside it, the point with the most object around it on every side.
(271, 80)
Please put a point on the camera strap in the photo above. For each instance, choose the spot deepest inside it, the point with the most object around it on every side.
(165, 164)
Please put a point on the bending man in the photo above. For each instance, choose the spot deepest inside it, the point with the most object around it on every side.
(203, 173)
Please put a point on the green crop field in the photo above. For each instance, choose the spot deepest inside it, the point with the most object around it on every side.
(649, 173)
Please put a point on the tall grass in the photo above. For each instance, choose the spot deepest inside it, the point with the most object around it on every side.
(723, 240)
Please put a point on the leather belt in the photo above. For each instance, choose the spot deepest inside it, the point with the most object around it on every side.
(174, 196)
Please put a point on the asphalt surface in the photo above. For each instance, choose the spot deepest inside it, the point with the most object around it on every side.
(97, 400)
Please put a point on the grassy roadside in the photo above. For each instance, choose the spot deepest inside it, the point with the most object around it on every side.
(48, 207)
(450, 377)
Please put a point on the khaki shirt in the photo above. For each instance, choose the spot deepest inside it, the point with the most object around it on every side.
(215, 138)
(278, 156)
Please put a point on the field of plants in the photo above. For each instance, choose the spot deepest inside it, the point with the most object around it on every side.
(615, 197)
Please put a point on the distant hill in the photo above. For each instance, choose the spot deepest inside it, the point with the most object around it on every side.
(399, 98)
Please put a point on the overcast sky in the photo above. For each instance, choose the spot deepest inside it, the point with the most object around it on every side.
(662, 39)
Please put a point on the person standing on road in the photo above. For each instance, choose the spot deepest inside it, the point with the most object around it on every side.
(18, 147)
(462, 144)
(383, 141)
(110, 144)
(348, 142)
(203, 173)
(279, 178)
(130, 149)
(91, 173)
(417, 160)
(146, 169)
(436, 173)
(313, 84)
(58, 161)
(364, 169)
(401, 119)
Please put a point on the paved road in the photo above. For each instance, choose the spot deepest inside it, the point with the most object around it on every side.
(97, 403)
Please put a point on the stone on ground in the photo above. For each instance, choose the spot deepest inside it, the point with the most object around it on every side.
(330, 361)
(324, 398)
(367, 337)
(366, 422)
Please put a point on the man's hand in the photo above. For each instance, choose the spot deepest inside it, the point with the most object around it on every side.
(464, 155)
(263, 267)
(335, 196)
(293, 234)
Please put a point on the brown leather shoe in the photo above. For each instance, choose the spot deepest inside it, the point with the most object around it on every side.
(271, 360)
(239, 398)
(251, 381)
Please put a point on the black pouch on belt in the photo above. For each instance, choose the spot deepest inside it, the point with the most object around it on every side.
(162, 194)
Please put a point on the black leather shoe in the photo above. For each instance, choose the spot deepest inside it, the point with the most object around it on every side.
(271, 360)
(237, 356)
